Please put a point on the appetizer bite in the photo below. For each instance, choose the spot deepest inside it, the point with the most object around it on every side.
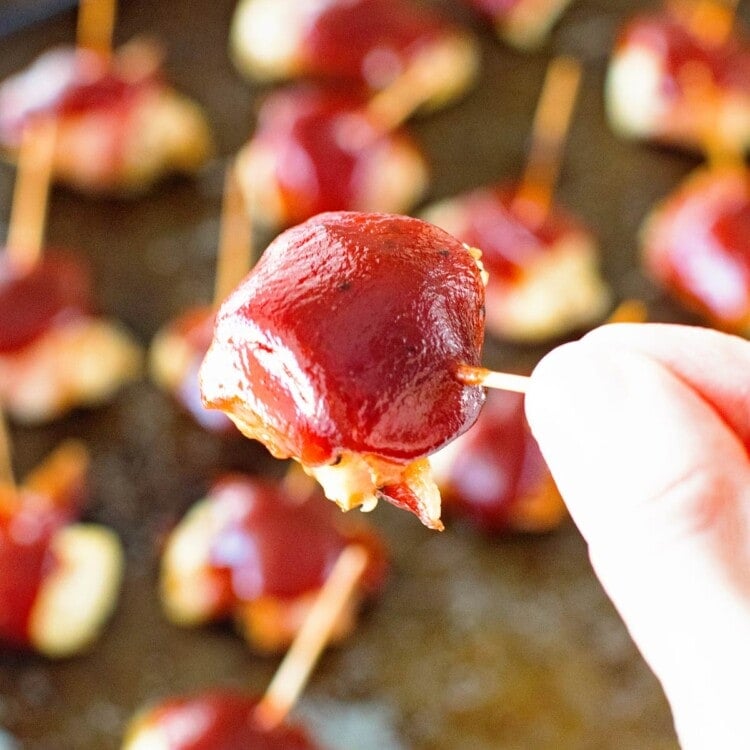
(541, 260)
(255, 552)
(224, 720)
(367, 42)
(342, 349)
(695, 245)
(494, 474)
(682, 77)
(120, 126)
(59, 579)
(55, 352)
(319, 150)
(521, 23)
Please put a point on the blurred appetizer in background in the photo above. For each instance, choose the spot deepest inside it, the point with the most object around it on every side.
(342, 349)
(364, 42)
(521, 23)
(120, 126)
(695, 245)
(494, 474)
(59, 579)
(319, 150)
(215, 720)
(55, 352)
(227, 720)
(259, 552)
(179, 346)
(541, 260)
(681, 76)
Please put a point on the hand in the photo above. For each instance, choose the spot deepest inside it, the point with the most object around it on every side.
(646, 429)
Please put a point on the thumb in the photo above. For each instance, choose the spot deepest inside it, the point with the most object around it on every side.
(659, 486)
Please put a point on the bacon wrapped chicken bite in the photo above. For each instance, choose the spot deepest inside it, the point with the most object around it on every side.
(521, 23)
(342, 349)
(120, 127)
(253, 552)
(370, 42)
(59, 579)
(494, 474)
(543, 276)
(696, 244)
(317, 150)
(217, 720)
(55, 353)
(682, 78)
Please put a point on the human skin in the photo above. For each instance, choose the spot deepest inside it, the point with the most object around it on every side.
(646, 429)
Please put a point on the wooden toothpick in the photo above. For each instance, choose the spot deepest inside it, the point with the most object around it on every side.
(291, 677)
(96, 23)
(235, 239)
(31, 193)
(549, 133)
(481, 376)
(710, 20)
(420, 82)
(7, 477)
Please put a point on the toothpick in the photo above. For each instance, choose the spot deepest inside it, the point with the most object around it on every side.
(710, 20)
(31, 192)
(7, 477)
(292, 675)
(703, 97)
(481, 376)
(235, 239)
(60, 478)
(629, 311)
(96, 22)
(549, 133)
(397, 102)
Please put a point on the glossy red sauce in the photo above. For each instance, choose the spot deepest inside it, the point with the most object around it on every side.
(273, 546)
(498, 462)
(196, 327)
(369, 40)
(347, 335)
(55, 290)
(509, 243)
(674, 42)
(324, 146)
(222, 720)
(698, 245)
(67, 82)
(26, 558)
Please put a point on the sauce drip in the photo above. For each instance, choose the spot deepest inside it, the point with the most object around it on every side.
(346, 336)
(222, 721)
(55, 290)
(324, 148)
(25, 560)
(372, 41)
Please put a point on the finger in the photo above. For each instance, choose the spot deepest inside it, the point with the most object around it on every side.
(659, 487)
(715, 364)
